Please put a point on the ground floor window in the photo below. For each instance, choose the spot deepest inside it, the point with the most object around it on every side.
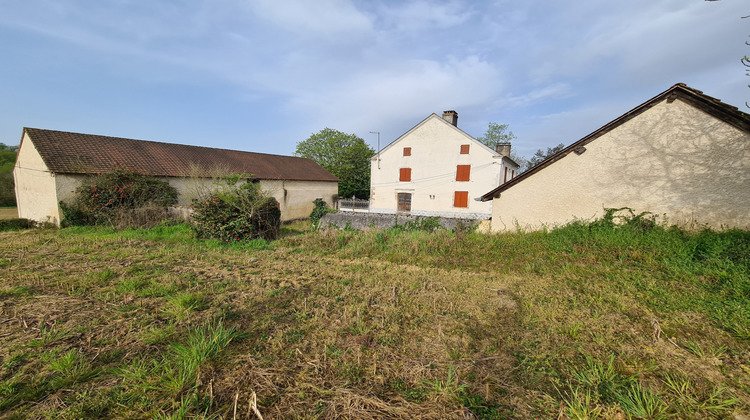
(404, 202)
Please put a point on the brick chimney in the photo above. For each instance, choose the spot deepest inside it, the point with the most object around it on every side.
(503, 149)
(451, 117)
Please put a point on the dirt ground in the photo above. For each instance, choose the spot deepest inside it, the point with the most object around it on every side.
(8, 213)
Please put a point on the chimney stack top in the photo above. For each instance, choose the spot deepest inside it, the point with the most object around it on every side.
(451, 116)
(503, 149)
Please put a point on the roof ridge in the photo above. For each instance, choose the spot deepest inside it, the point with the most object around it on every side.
(79, 153)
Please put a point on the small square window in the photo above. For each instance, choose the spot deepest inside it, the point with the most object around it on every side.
(407, 151)
(464, 149)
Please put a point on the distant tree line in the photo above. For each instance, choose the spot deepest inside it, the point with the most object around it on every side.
(7, 187)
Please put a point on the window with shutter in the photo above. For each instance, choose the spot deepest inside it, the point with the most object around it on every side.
(461, 199)
(407, 151)
(464, 149)
(404, 175)
(463, 172)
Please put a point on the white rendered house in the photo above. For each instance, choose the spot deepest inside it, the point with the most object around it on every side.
(436, 169)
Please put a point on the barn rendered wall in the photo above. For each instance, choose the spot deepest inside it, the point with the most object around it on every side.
(673, 160)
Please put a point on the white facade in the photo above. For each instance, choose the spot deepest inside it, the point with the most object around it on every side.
(38, 190)
(673, 159)
(436, 169)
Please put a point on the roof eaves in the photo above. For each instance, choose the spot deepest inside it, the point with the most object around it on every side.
(697, 98)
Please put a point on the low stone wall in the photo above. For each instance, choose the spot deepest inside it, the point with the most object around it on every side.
(364, 221)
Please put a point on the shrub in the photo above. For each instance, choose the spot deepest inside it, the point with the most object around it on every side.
(425, 224)
(114, 198)
(16, 224)
(320, 210)
(237, 212)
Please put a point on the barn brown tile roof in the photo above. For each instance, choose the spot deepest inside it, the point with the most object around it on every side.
(75, 153)
(708, 104)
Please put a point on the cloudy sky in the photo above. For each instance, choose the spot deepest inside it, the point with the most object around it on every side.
(262, 75)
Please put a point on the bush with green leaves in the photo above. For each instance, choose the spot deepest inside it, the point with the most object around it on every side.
(320, 210)
(112, 198)
(238, 210)
(16, 224)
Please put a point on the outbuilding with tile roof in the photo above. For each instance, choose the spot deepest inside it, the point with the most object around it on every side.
(51, 164)
(682, 155)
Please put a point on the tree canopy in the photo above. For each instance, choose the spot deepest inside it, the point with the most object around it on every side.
(344, 155)
(541, 155)
(496, 133)
(499, 133)
(7, 161)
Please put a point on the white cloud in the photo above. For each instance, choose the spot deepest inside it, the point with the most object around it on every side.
(398, 93)
(314, 18)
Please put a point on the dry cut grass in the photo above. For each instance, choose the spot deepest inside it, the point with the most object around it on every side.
(337, 324)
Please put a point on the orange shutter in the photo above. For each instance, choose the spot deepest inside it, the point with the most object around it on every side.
(463, 172)
(407, 151)
(404, 174)
(461, 199)
(464, 149)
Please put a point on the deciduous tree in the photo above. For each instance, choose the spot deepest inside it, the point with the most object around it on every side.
(7, 161)
(499, 133)
(344, 155)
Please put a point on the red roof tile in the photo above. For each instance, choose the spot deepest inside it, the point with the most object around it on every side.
(75, 153)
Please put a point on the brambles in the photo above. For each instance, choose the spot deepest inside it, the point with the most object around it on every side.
(120, 198)
(238, 210)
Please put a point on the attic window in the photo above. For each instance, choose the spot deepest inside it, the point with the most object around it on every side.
(464, 149)
(407, 151)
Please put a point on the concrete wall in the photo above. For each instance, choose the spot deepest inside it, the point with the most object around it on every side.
(36, 192)
(367, 221)
(673, 160)
(435, 154)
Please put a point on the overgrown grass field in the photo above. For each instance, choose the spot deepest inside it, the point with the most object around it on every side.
(587, 321)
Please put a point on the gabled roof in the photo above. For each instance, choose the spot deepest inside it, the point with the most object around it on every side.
(74, 153)
(712, 106)
(452, 127)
